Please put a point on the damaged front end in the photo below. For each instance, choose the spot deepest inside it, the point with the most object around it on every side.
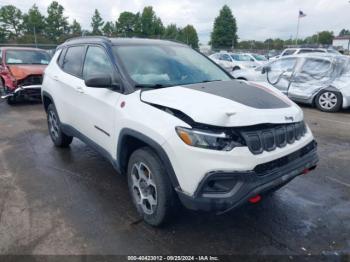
(26, 88)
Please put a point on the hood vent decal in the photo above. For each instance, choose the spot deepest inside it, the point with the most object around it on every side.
(241, 92)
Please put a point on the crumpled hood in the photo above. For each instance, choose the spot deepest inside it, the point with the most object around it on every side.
(227, 103)
(22, 71)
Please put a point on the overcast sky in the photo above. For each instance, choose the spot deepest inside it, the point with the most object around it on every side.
(256, 19)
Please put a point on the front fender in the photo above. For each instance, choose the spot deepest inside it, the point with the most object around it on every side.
(122, 152)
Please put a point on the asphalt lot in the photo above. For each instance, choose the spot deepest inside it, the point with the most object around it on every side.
(71, 201)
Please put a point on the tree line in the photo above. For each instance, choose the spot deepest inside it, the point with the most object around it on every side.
(321, 38)
(54, 28)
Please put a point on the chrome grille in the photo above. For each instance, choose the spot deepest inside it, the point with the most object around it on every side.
(259, 139)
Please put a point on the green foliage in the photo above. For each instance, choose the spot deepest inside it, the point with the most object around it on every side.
(344, 32)
(325, 37)
(10, 20)
(151, 25)
(96, 23)
(108, 29)
(224, 34)
(2, 35)
(56, 22)
(75, 28)
(33, 20)
(127, 24)
(189, 36)
(171, 32)
(54, 29)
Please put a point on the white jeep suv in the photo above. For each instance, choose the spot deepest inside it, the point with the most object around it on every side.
(176, 124)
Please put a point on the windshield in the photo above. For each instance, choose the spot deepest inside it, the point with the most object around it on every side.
(259, 57)
(332, 51)
(240, 57)
(167, 65)
(27, 57)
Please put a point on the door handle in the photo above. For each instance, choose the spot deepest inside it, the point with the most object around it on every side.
(55, 78)
(80, 89)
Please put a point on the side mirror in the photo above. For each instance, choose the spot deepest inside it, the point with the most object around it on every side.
(265, 69)
(101, 81)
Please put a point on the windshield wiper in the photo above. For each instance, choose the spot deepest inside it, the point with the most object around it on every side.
(150, 86)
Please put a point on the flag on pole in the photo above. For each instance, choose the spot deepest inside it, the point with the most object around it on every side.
(301, 14)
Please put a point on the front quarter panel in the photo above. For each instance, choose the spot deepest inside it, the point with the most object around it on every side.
(146, 119)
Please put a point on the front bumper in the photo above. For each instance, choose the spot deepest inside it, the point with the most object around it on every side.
(30, 91)
(263, 178)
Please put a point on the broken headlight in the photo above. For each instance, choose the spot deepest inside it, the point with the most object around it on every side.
(209, 140)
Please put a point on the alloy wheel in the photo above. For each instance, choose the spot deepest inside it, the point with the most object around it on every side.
(53, 124)
(144, 189)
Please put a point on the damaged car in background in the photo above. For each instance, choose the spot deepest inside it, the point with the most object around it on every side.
(21, 73)
(321, 80)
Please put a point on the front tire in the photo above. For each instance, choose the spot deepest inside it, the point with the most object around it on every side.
(58, 137)
(328, 101)
(150, 187)
(11, 100)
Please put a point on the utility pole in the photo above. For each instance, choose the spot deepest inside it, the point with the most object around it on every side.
(296, 39)
(301, 15)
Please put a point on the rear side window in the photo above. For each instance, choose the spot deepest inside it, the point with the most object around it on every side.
(73, 60)
(304, 51)
(283, 65)
(225, 57)
(316, 66)
(288, 52)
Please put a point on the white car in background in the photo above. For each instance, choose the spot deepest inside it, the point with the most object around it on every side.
(235, 61)
(322, 80)
(258, 59)
(298, 51)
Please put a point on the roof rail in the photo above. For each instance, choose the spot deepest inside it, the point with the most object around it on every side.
(88, 37)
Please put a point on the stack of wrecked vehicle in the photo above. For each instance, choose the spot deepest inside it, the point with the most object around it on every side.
(21, 73)
(322, 80)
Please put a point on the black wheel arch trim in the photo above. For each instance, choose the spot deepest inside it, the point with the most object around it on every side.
(44, 93)
(127, 132)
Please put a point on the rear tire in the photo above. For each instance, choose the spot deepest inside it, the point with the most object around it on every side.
(150, 188)
(58, 137)
(328, 101)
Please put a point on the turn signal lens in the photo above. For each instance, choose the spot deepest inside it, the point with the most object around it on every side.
(185, 137)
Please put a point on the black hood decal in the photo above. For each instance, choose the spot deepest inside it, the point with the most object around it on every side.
(242, 92)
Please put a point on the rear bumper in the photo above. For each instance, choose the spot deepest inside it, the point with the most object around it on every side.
(263, 178)
(33, 91)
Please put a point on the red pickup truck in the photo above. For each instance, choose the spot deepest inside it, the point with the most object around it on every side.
(21, 72)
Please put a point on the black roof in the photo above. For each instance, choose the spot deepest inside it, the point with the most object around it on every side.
(118, 41)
